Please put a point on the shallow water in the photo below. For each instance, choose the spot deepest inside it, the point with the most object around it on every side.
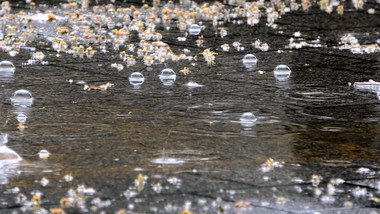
(314, 123)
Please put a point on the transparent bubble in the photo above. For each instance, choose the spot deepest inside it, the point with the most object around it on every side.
(282, 72)
(249, 60)
(6, 66)
(22, 98)
(378, 94)
(136, 79)
(167, 77)
(44, 154)
(21, 118)
(195, 29)
(248, 119)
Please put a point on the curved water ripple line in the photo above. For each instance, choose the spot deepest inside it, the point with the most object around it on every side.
(174, 157)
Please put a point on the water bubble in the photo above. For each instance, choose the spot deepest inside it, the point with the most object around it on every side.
(248, 116)
(249, 60)
(167, 76)
(44, 154)
(282, 72)
(6, 66)
(195, 29)
(136, 79)
(378, 94)
(22, 98)
(248, 119)
(21, 118)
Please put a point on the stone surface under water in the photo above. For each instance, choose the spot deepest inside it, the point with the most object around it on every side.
(312, 148)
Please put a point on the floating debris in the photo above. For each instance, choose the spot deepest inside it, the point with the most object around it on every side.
(363, 170)
(130, 194)
(185, 71)
(100, 88)
(270, 164)
(315, 180)
(209, 56)
(370, 85)
(225, 47)
(240, 204)
(175, 181)
(157, 187)
(44, 182)
(327, 199)
(359, 192)
(68, 178)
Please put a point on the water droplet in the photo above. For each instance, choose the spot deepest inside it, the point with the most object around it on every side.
(248, 119)
(249, 60)
(44, 154)
(21, 118)
(22, 98)
(282, 72)
(195, 29)
(6, 66)
(136, 79)
(167, 77)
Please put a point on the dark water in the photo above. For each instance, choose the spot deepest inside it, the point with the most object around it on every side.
(314, 124)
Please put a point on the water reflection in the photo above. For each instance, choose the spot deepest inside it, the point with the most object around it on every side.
(176, 157)
(9, 160)
(6, 76)
(167, 161)
(191, 85)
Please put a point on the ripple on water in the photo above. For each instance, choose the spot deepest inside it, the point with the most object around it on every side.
(176, 157)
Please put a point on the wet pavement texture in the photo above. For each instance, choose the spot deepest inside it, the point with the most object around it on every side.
(166, 149)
